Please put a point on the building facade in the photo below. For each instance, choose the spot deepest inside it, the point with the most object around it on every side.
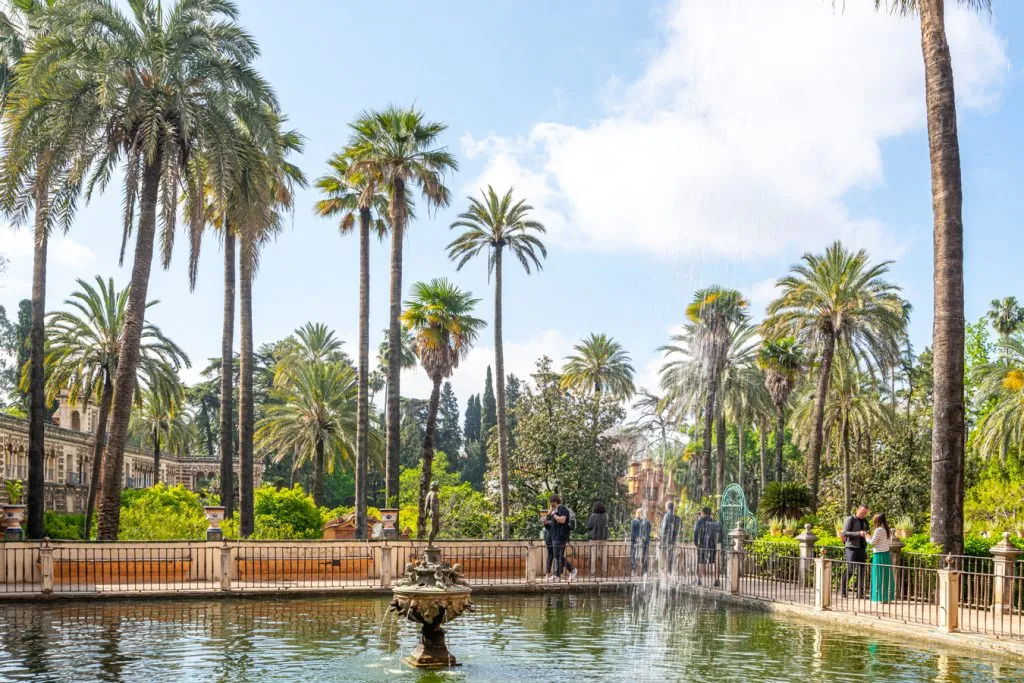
(70, 441)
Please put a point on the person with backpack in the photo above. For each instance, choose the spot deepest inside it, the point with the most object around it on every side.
(558, 528)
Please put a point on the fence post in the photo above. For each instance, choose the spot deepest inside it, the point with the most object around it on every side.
(822, 582)
(225, 567)
(949, 597)
(593, 558)
(46, 566)
(531, 569)
(383, 560)
(1005, 558)
(739, 537)
(807, 540)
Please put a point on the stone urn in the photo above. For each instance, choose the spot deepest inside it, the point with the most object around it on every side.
(13, 514)
(214, 515)
(431, 593)
(389, 522)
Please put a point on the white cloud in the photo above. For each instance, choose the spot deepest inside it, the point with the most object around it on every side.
(745, 132)
(18, 246)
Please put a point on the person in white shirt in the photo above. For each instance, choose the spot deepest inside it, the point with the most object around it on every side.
(883, 585)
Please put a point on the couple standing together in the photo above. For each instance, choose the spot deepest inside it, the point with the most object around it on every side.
(856, 538)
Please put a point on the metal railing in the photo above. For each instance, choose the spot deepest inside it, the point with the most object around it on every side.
(114, 568)
(289, 565)
(769, 575)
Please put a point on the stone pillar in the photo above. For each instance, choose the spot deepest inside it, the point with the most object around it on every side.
(1005, 556)
(46, 566)
(225, 567)
(593, 558)
(822, 582)
(949, 597)
(739, 537)
(806, 541)
(382, 558)
(896, 550)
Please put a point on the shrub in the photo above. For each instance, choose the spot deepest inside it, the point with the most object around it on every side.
(286, 513)
(160, 513)
(788, 500)
(63, 527)
(14, 489)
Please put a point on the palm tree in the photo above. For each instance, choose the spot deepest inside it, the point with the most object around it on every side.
(782, 361)
(345, 196)
(493, 225)
(713, 312)
(1001, 383)
(396, 147)
(599, 366)
(837, 300)
(158, 419)
(124, 88)
(314, 419)
(273, 196)
(439, 314)
(744, 397)
(1007, 316)
(83, 347)
(948, 429)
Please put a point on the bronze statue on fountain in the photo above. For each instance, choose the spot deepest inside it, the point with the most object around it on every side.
(431, 593)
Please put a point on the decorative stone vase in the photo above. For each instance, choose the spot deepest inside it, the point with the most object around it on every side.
(13, 514)
(389, 522)
(789, 532)
(901, 533)
(214, 515)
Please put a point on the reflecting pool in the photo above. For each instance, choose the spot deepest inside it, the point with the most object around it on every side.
(558, 637)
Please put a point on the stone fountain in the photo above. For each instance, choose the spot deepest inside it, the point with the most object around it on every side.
(431, 593)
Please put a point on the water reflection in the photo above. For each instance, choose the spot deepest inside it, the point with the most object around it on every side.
(646, 636)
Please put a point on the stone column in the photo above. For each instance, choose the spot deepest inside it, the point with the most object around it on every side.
(896, 550)
(739, 537)
(822, 582)
(806, 541)
(225, 567)
(949, 597)
(46, 566)
(1005, 556)
(382, 557)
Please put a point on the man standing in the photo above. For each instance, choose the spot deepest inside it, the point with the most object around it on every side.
(855, 549)
(558, 529)
(639, 539)
(668, 535)
(705, 537)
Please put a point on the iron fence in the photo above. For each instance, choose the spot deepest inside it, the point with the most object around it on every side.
(295, 565)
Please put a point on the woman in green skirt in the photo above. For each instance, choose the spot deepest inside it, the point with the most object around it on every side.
(883, 584)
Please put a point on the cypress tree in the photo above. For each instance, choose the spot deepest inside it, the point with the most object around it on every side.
(489, 409)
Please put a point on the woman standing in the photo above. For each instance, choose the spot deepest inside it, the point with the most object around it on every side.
(883, 586)
(597, 523)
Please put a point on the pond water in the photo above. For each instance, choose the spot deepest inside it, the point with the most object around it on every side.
(610, 636)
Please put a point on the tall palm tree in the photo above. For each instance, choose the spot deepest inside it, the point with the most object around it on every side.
(744, 397)
(397, 148)
(600, 366)
(83, 347)
(158, 419)
(274, 196)
(713, 312)
(782, 361)
(314, 419)
(837, 300)
(1001, 382)
(124, 88)
(439, 314)
(347, 195)
(492, 226)
(1007, 316)
(948, 429)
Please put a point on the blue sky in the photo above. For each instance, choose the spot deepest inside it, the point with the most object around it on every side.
(667, 146)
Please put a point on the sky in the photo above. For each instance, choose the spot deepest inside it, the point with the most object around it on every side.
(667, 146)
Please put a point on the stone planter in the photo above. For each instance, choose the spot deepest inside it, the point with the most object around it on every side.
(901, 533)
(789, 532)
(13, 514)
(389, 522)
(214, 515)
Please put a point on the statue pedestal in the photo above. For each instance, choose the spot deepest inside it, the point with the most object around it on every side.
(432, 652)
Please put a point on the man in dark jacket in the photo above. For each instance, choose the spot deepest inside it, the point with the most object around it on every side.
(639, 539)
(705, 537)
(855, 549)
(668, 535)
(558, 528)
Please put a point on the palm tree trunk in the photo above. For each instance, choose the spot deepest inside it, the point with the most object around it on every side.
(763, 434)
(318, 474)
(398, 218)
(106, 398)
(499, 368)
(156, 456)
(820, 395)
(227, 379)
(246, 417)
(362, 402)
(720, 454)
(847, 495)
(739, 448)
(427, 461)
(37, 378)
(128, 359)
(948, 431)
(780, 437)
(709, 430)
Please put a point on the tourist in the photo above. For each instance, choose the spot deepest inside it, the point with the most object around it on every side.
(668, 535)
(597, 523)
(558, 529)
(855, 550)
(882, 583)
(639, 540)
(549, 558)
(705, 537)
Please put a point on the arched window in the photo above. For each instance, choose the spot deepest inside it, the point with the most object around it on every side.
(76, 421)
